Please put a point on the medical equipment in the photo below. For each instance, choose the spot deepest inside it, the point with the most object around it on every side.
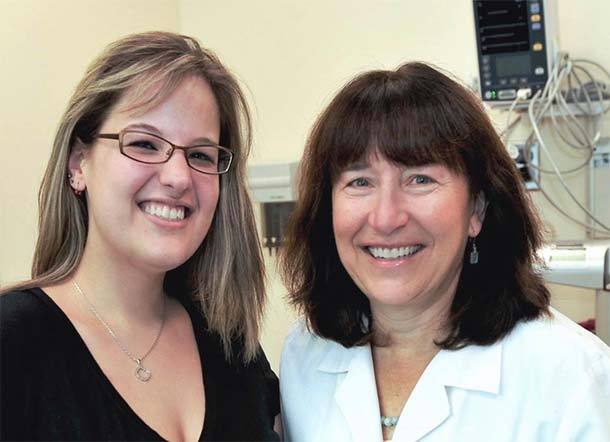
(273, 186)
(584, 265)
(516, 43)
(599, 185)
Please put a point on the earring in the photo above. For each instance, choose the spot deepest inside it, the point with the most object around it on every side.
(474, 253)
(77, 192)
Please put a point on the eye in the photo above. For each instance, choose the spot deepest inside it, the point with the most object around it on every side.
(201, 157)
(359, 182)
(139, 142)
(422, 179)
(143, 144)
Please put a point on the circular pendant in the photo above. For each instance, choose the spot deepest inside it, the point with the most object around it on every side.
(143, 373)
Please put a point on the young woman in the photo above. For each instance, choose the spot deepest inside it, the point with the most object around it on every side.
(142, 316)
(411, 256)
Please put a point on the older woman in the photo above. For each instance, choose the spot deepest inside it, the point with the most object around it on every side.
(411, 254)
(145, 224)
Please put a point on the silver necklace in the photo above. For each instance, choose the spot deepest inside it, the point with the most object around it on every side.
(389, 421)
(142, 373)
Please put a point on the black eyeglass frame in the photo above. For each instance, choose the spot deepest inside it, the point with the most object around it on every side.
(119, 138)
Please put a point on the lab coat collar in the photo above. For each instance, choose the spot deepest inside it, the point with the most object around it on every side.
(471, 368)
(474, 367)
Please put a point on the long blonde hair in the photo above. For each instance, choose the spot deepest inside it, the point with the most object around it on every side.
(226, 273)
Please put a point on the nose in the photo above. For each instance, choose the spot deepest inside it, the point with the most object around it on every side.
(389, 211)
(176, 173)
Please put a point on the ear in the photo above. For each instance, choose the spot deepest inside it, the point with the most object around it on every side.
(75, 167)
(478, 215)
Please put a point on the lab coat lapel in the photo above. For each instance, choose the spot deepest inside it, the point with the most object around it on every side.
(426, 409)
(357, 399)
(474, 367)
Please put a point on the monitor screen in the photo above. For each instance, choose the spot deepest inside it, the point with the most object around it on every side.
(513, 65)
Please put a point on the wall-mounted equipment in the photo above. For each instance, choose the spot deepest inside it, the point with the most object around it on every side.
(273, 187)
(526, 157)
(583, 265)
(599, 186)
(517, 44)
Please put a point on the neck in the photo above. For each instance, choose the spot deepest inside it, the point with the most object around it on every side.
(119, 290)
(411, 329)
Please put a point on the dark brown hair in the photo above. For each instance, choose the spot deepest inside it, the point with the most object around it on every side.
(414, 115)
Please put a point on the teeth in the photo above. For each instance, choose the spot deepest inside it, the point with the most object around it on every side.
(393, 253)
(164, 212)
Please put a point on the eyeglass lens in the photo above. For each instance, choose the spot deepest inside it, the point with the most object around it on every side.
(148, 148)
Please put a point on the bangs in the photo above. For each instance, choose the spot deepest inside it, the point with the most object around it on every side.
(405, 124)
(150, 90)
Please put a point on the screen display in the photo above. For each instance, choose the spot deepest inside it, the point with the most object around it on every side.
(513, 65)
(503, 26)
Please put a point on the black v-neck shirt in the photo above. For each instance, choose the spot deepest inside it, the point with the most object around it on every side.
(53, 389)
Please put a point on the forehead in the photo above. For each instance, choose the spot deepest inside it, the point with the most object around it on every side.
(190, 102)
(151, 91)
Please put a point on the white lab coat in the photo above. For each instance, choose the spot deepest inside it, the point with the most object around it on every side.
(547, 381)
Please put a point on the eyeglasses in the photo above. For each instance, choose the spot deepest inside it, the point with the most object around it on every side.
(147, 148)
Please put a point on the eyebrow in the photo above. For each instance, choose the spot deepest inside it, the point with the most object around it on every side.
(154, 131)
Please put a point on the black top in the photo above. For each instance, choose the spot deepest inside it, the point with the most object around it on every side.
(53, 389)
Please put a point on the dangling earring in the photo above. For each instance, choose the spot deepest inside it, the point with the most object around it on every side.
(474, 253)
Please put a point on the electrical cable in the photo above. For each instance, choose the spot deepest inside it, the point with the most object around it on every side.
(588, 99)
(554, 165)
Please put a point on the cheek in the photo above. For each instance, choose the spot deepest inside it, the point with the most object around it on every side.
(447, 218)
(208, 193)
(347, 218)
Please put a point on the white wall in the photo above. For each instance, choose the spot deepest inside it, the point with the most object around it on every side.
(292, 56)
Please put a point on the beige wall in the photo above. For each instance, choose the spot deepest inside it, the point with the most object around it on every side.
(291, 55)
(45, 47)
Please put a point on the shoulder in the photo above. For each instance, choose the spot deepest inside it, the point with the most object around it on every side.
(29, 322)
(22, 308)
(558, 337)
(553, 346)
(24, 334)
(304, 350)
(308, 361)
(555, 369)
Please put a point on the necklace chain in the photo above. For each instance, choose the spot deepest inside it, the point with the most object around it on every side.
(142, 373)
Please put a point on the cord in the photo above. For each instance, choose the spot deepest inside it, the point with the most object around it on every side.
(554, 165)
(586, 97)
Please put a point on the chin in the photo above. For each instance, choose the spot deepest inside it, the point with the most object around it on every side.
(166, 262)
(390, 296)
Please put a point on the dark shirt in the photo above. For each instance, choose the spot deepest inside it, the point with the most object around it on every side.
(53, 389)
